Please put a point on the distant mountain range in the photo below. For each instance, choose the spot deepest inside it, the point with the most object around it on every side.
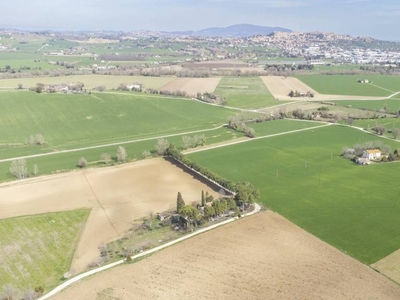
(239, 30)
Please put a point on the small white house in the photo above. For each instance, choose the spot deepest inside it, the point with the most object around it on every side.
(372, 154)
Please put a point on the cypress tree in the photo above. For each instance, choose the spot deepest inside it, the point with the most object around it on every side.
(203, 199)
(180, 203)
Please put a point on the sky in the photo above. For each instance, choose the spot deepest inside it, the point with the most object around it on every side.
(374, 18)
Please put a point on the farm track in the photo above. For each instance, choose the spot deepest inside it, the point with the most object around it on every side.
(110, 144)
(143, 254)
(228, 143)
(261, 257)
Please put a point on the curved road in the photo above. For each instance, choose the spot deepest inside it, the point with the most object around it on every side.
(61, 287)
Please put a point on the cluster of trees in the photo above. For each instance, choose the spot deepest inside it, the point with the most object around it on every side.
(9, 292)
(237, 122)
(211, 98)
(40, 88)
(19, 169)
(374, 69)
(66, 64)
(298, 94)
(279, 68)
(193, 142)
(177, 93)
(36, 139)
(200, 213)
(136, 87)
(358, 149)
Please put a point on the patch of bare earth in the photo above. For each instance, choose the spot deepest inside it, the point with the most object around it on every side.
(280, 86)
(389, 266)
(117, 196)
(260, 257)
(192, 86)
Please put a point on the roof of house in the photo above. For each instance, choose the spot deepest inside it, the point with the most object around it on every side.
(375, 151)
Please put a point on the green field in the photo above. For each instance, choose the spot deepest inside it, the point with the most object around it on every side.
(70, 121)
(38, 250)
(68, 161)
(302, 176)
(280, 126)
(245, 92)
(391, 105)
(382, 85)
(90, 81)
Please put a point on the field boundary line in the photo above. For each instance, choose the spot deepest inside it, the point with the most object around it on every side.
(69, 282)
(110, 144)
(253, 139)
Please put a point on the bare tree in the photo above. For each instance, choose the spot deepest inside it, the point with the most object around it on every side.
(350, 121)
(161, 146)
(39, 139)
(186, 142)
(395, 132)
(82, 163)
(30, 295)
(18, 168)
(146, 154)
(100, 88)
(9, 292)
(106, 158)
(379, 129)
(250, 132)
(35, 170)
(121, 154)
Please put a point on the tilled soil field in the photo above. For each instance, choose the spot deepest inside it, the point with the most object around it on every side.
(260, 257)
(117, 196)
(280, 87)
(192, 86)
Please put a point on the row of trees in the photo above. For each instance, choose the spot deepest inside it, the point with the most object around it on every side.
(121, 157)
(177, 93)
(245, 192)
(194, 141)
(237, 122)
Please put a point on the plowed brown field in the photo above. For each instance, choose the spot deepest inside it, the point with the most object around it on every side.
(192, 86)
(117, 196)
(280, 86)
(259, 257)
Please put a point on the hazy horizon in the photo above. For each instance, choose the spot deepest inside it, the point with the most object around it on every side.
(353, 17)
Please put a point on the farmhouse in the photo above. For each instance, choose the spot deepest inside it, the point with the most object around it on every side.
(362, 161)
(372, 154)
